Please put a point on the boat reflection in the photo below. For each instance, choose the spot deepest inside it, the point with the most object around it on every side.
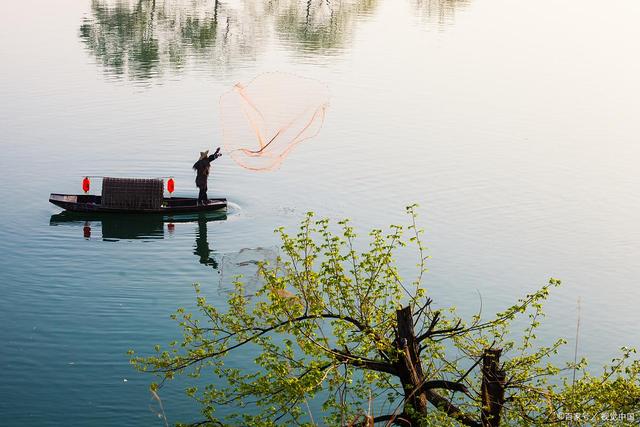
(117, 227)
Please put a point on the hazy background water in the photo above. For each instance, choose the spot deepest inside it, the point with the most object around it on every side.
(514, 124)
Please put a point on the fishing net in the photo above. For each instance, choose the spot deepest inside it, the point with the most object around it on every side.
(265, 119)
(245, 263)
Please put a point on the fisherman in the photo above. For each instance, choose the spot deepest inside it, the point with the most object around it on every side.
(202, 167)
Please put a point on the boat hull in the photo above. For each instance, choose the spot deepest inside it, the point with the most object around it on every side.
(86, 203)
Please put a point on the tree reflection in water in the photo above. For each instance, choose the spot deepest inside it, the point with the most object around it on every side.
(143, 39)
(319, 27)
(441, 12)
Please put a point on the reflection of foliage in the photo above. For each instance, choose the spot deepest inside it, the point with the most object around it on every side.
(320, 25)
(439, 11)
(144, 37)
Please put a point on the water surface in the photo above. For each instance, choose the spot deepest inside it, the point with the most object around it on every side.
(512, 123)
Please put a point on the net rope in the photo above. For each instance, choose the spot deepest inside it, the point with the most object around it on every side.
(264, 120)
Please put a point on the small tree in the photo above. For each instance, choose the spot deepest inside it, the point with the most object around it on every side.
(334, 323)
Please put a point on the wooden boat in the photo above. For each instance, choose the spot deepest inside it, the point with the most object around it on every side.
(88, 203)
(133, 195)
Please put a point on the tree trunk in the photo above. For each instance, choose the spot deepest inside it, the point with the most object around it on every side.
(409, 364)
(368, 421)
(493, 385)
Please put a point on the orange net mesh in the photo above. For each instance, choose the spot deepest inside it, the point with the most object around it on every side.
(265, 119)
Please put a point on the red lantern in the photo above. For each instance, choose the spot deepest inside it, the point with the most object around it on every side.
(86, 184)
(171, 185)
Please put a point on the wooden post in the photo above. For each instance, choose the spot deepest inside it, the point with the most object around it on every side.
(409, 364)
(493, 385)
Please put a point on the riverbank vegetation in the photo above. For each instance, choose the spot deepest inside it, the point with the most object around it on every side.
(338, 324)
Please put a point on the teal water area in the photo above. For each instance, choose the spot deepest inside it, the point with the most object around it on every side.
(512, 123)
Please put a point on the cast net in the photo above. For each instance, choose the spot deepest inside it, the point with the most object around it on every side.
(265, 119)
(246, 263)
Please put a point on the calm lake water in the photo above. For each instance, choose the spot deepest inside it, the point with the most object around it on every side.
(514, 124)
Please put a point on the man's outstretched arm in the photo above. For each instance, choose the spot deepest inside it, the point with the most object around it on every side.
(215, 155)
